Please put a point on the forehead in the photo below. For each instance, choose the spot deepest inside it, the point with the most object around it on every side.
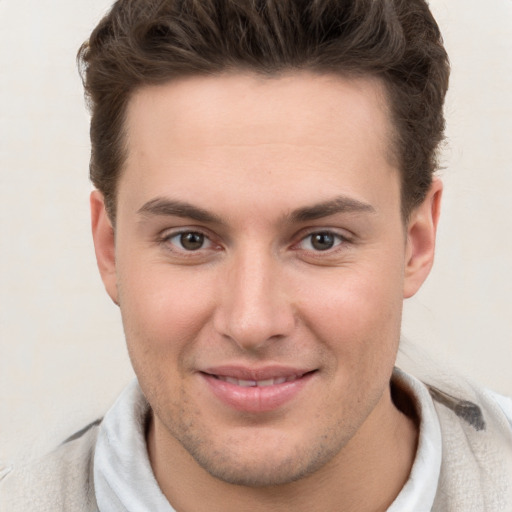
(249, 130)
(226, 104)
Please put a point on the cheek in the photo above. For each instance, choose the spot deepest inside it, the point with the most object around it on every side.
(163, 310)
(357, 313)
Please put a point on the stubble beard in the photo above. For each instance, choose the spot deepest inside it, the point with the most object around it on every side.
(232, 463)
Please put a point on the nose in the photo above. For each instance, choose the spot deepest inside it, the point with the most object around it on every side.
(254, 308)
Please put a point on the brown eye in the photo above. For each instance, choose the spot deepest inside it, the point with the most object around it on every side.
(191, 244)
(191, 241)
(323, 241)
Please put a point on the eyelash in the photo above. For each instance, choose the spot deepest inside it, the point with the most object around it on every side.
(340, 241)
(166, 240)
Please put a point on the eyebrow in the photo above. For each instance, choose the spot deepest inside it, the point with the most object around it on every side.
(167, 207)
(341, 204)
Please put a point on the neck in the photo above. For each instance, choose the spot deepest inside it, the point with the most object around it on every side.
(365, 476)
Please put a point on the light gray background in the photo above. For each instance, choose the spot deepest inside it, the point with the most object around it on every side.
(62, 355)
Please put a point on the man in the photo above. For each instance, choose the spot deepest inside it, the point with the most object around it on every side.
(264, 202)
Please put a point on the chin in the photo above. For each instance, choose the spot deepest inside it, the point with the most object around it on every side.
(267, 464)
(262, 474)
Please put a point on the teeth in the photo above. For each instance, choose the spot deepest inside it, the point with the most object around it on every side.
(257, 383)
(247, 383)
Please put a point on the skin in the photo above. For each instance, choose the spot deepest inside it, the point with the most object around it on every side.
(262, 168)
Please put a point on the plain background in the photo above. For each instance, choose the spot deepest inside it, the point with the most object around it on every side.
(62, 354)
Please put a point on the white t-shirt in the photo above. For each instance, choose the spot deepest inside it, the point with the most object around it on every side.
(124, 480)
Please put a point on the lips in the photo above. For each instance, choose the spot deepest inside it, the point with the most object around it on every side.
(258, 383)
(256, 390)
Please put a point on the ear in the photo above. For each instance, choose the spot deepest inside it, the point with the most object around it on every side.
(421, 239)
(104, 243)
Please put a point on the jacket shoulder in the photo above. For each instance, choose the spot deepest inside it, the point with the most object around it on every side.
(60, 481)
(476, 470)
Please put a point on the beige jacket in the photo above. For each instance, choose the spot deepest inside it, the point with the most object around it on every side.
(476, 470)
(60, 482)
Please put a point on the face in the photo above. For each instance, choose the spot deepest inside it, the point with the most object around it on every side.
(260, 263)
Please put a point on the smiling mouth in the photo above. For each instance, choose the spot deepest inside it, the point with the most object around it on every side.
(256, 391)
(258, 383)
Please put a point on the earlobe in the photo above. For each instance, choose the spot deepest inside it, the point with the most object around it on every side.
(421, 239)
(104, 243)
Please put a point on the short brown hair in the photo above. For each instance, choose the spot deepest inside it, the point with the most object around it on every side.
(145, 42)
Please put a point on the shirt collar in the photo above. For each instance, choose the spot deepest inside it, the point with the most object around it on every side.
(124, 480)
